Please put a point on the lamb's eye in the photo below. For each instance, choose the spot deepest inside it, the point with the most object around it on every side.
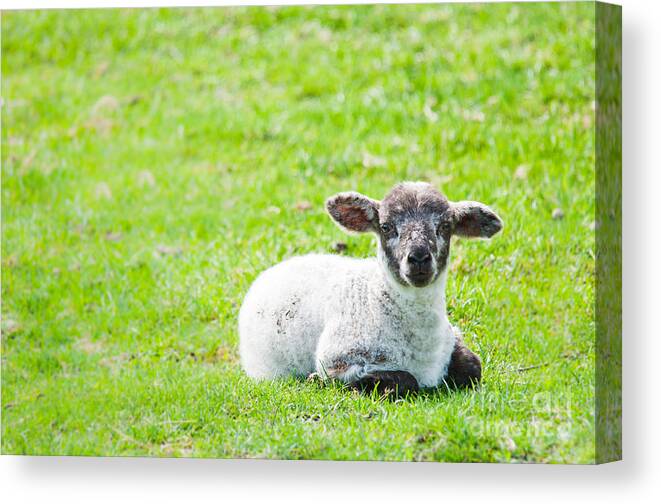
(444, 227)
(387, 228)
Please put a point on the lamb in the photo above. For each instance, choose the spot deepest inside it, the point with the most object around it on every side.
(377, 323)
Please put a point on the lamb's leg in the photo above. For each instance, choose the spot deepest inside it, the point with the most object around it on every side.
(465, 368)
(388, 383)
(359, 368)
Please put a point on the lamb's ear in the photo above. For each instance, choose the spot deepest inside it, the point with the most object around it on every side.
(475, 220)
(354, 212)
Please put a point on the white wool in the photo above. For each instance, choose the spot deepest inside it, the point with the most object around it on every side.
(308, 313)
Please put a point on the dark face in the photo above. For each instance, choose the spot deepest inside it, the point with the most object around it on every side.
(415, 227)
(414, 224)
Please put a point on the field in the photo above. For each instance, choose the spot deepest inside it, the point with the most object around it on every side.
(155, 161)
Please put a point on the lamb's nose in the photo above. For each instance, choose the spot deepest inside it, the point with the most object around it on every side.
(419, 257)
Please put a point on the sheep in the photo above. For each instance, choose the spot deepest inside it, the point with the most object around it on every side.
(377, 323)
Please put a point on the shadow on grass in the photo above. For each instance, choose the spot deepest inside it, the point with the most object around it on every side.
(447, 389)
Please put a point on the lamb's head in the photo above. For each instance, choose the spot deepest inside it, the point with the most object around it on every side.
(414, 224)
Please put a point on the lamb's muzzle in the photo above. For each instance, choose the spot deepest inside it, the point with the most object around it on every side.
(368, 321)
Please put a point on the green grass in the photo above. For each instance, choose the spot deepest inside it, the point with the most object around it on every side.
(152, 163)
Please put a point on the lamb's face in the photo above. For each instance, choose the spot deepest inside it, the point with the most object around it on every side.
(414, 223)
(415, 227)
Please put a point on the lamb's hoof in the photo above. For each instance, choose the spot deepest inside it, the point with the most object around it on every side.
(392, 384)
(465, 369)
